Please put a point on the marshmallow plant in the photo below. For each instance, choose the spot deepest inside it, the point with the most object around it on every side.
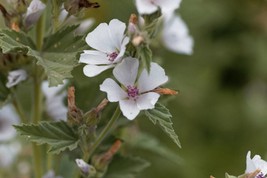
(116, 55)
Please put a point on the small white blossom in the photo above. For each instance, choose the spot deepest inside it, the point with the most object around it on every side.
(136, 94)
(8, 153)
(110, 44)
(16, 76)
(8, 117)
(34, 11)
(256, 163)
(176, 36)
(150, 6)
(55, 107)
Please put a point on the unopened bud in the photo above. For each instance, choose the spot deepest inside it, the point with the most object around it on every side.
(74, 113)
(165, 91)
(85, 168)
(34, 11)
(137, 40)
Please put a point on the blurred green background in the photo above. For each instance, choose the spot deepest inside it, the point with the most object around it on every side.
(221, 111)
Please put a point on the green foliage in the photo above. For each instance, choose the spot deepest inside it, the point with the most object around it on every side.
(152, 24)
(126, 167)
(56, 134)
(145, 55)
(161, 115)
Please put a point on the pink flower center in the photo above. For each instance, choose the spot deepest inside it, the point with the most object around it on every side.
(260, 175)
(132, 92)
(112, 56)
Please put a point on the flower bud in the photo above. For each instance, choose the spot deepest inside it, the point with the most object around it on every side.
(86, 169)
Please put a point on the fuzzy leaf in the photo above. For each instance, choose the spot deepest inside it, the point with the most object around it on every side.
(56, 134)
(145, 55)
(161, 115)
(126, 167)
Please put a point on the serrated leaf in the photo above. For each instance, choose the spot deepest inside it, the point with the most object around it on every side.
(145, 55)
(161, 115)
(56, 134)
(126, 167)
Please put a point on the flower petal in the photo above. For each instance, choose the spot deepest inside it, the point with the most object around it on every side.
(129, 109)
(250, 166)
(93, 70)
(145, 6)
(147, 100)
(15, 77)
(126, 71)
(94, 57)
(122, 50)
(176, 36)
(117, 29)
(113, 90)
(100, 39)
(155, 78)
(168, 6)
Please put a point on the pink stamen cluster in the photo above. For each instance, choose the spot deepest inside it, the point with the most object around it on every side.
(132, 92)
(112, 56)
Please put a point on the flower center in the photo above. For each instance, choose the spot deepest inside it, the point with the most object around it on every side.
(112, 56)
(260, 175)
(132, 92)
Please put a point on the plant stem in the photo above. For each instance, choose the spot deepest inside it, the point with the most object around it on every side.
(19, 110)
(37, 99)
(104, 132)
(55, 14)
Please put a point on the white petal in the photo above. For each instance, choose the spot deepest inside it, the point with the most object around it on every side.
(94, 57)
(145, 6)
(51, 92)
(126, 71)
(84, 26)
(15, 77)
(176, 36)
(85, 167)
(8, 153)
(93, 70)
(100, 39)
(147, 100)
(122, 49)
(117, 29)
(113, 90)
(129, 109)
(155, 78)
(8, 117)
(250, 167)
(168, 6)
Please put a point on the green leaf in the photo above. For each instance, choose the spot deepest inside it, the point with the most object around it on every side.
(152, 22)
(126, 167)
(145, 55)
(161, 115)
(56, 134)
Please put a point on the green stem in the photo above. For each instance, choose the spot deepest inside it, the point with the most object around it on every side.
(55, 11)
(104, 132)
(40, 28)
(19, 110)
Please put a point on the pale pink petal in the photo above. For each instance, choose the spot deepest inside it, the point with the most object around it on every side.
(147, 100)
(129, 109)
(94, 57)
(117, 29)
(176, 36)
(93, 70)
(155, 78)
(126, 71)
(100, 39)
(145, 6)
(113, 90)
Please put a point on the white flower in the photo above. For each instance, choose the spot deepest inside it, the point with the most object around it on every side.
(8, 117)
(110, 44)
(176, 36)
(8, 153)
(150, 6)
(256, 163)
(16, 76)
(55, 107)
(135, 95)
(34, 12)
